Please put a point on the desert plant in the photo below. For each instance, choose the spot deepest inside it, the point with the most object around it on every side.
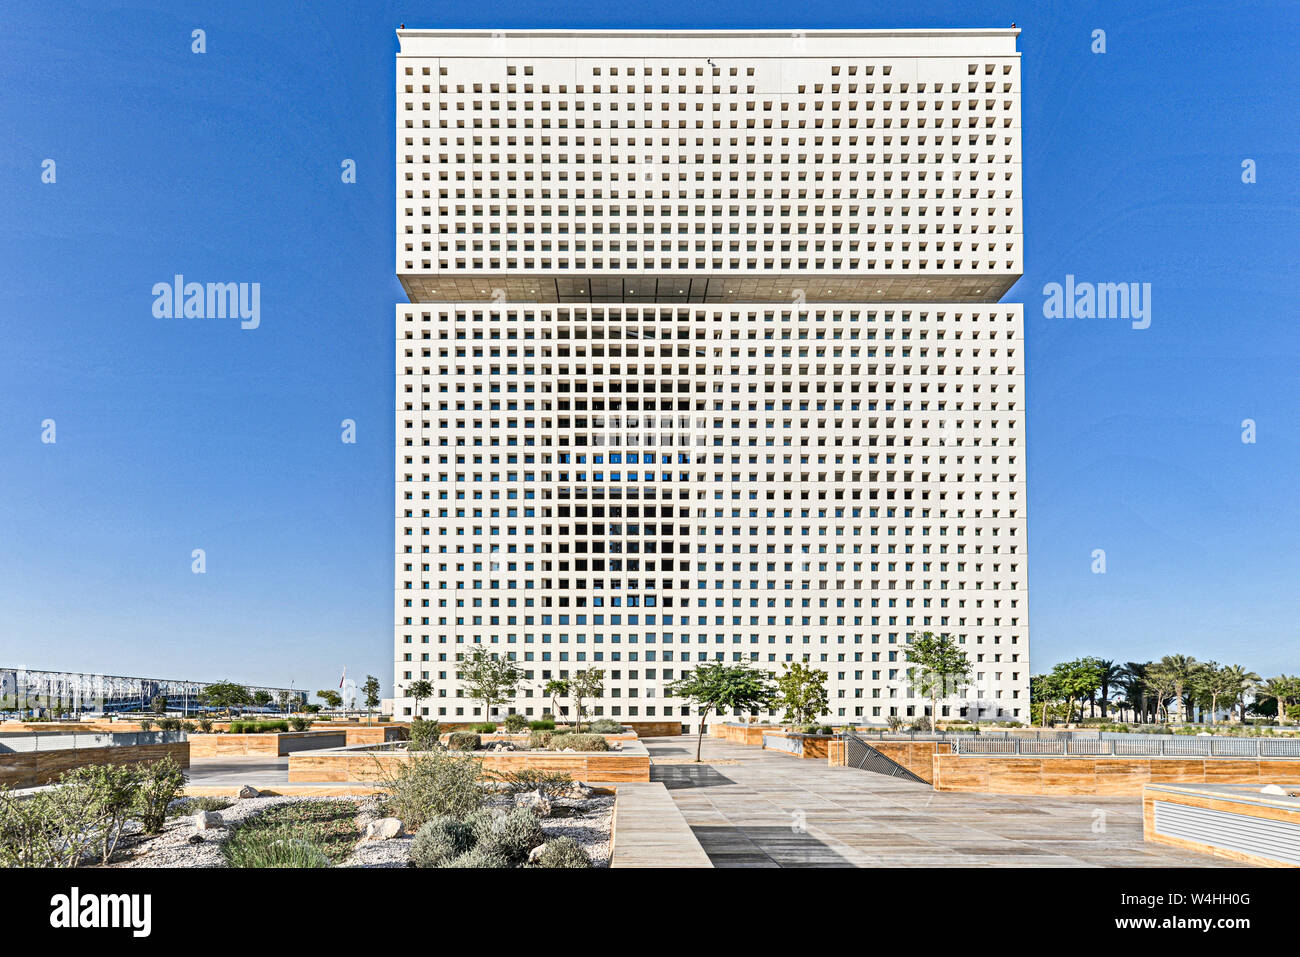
(513, 835)
(605, 726)
(578, 742)
(205, 725)
(439, 840)
(464, 741)
(192, 805)
(478, 857)
(515, 723)
(110, 791)
(299, 723)
(53, 828)
(550, 783)
(431, 785)
(423, 735)
(545, 724)
(563, 852)
(540, 739)
(146, 724)
(484, 727)
(189, 727)
(274, 849)
(160, 783)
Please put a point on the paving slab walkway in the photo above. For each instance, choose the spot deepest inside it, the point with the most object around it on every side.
(764, 809)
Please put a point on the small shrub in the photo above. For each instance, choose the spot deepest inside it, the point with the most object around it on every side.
(515, 723)
(160, 783)
(110, 792)
(54, 828)
(540, 739)
(274, 849)
(299, 723)
(146, 724)
(579, 742)
(605, 726)
(464, 741)
(513, 835)
(193, 805)
(550, 783)
(439, 840)
(205, 725)
(432, 785)
(478, 857)
(189, 727)
(169, 724)
(423, 735)
(487, 727)
(563, 852)
(546, 724)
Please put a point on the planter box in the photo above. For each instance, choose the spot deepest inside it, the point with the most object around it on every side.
(369, 764)
(1236, 823)
(271, 744)
(28, 760)
(1101, 775)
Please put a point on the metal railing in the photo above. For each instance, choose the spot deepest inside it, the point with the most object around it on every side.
(27, 742)
(1130, 745)
(781, 742)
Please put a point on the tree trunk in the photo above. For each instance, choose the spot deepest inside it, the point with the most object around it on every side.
(699, 739)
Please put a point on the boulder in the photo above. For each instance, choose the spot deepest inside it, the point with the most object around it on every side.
(248, 791)
(535, 853)
(535, 801)
(384, 829)
(207, 821)
(579, 791)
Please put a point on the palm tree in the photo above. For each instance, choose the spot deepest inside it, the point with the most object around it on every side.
(1237, 682)
(1283, 689)
(1110, 674)
(1134, 682)
(1182, 671)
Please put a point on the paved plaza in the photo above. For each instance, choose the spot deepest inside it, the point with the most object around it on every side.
(756, 808)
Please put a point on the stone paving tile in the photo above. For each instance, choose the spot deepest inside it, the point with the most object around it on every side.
(742, 813)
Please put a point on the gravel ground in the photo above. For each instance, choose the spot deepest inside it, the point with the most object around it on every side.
(586, 821)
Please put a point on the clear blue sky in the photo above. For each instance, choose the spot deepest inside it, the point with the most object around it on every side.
(173, 435)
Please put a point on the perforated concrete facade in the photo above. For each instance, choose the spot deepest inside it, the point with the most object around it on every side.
(638, 462)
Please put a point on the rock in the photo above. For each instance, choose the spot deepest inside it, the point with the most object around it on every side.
(1273, 789)
(535, 853)
(248, 791)
(384, 829)
(535, 801)
(579, 791)
(196, 839)
(207, 821)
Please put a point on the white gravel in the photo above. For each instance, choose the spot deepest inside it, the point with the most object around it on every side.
(586, 821)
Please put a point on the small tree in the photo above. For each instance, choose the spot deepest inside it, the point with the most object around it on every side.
(159, 704)
(370, 690)
(586, 684)
(939, 666)
(331, 697)
(227, 695)
(489, 679)
(419, 690)
(717, 688)
(801, 691)
(261, 698)
(283, 699)
(557, 688)
(1044, 691)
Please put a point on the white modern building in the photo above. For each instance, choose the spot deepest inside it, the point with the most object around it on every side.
(705, 360)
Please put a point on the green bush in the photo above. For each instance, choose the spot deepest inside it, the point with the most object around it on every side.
(160, 783)
(169, 724)
(540, 739)
(299, 723)
(550, 783)
(192, 805)
(423, 735)
(464, 741)
(605, 726)
(258, 727)
(295, 834)
(205, 725)
(563, 852)
(146, 724)
(513, 835)
(189, 727)
(431, 785)
(579, 742)
(487, 727)
(546, 724)
(110, 792)
(274, 849)
(439, 840)
(478, 857)
(515, 723)
(53, 828)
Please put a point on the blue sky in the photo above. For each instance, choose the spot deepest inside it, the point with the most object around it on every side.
(175, 435)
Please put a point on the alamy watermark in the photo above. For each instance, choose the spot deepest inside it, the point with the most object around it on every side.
(1101, 300)
(179, 299)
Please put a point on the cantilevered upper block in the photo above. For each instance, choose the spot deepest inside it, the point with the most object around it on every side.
(708, 166)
